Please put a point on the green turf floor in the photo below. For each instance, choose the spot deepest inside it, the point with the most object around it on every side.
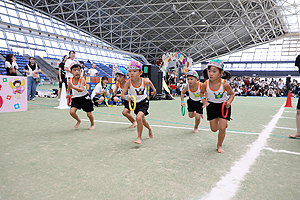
(44, 157)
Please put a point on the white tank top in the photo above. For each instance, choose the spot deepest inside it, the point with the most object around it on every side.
(194, 95)
(140, 92)
(120, 89)
(219, 95)
(75, 93)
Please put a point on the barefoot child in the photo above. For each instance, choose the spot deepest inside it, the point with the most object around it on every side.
(80, 96)
(137, 86)
(121, 75)
(217, 89)
(194, 105)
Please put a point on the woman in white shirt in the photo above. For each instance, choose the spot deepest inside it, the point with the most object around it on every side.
(31, 70)
(11, 65)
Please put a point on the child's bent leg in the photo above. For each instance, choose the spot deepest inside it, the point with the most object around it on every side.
(146, 124)
(192, 114)
(116, 99)
(100, 100)
(214, 124)
(221, 135)
(75, 116)
(91, 117)
(127, 114)
(197, 122)
(139, 120)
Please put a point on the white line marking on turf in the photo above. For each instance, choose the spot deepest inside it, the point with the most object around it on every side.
(282, 151)
(286, 128)
(176, 127)
(288, 117)
(227, 187)
(290, 111)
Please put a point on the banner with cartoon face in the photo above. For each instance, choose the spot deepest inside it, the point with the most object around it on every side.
(13, 93)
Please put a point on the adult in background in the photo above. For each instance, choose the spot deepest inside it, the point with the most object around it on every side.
(93, 71)
(68, 64)
(67, 68)
(62, 75)
(31, 70)
(10, 65)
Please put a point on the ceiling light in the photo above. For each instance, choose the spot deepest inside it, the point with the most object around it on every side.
(203, 20)
(193, 13)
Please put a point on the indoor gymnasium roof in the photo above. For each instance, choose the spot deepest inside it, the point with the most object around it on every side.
(198, 29)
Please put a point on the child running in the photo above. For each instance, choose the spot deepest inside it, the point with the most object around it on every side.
(217, 89)
(194, 105)
(80, 96)
(121, 76)
(136, 86)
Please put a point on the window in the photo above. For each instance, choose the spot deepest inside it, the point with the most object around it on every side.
(15, 21)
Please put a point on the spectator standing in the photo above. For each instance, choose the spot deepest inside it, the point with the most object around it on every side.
(62, 75)
(31, 70)
(93, 71)
(68, 64)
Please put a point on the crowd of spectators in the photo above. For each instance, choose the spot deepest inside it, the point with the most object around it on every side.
(243, 86)
(267, 87)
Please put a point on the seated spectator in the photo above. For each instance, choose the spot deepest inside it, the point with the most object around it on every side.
(271, 92)
(11, 65)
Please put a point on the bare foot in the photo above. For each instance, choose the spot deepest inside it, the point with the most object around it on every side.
(138, 141)
(92, 127)
(220, 150)
(195, 130)
(133, 125)
(295, 135)
(78, 123)
(150, 132)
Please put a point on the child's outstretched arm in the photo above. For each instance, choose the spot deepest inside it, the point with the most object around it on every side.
(123, 95)
(230, 92)
(147, 81)
(202, 94)
(182, 95)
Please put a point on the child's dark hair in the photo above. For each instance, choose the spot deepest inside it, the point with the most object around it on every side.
(103, 78)
(75, 66)
(72, 52)
(226, 75)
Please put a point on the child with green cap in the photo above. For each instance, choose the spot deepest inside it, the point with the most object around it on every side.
(194, 104)
(217, 90)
